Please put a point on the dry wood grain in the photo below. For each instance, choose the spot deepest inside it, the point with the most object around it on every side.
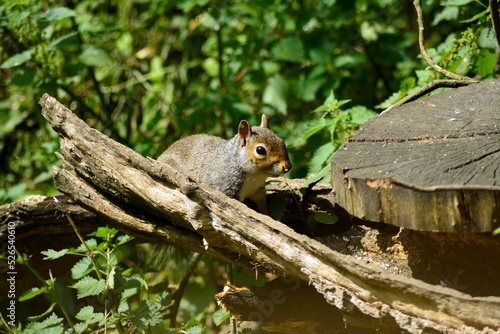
(431, 165)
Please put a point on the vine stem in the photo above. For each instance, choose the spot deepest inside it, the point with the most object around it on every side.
(428, 60)
(427, 89)
(89, 252)
(51, 289)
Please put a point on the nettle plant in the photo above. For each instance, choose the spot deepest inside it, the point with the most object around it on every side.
(114, 298)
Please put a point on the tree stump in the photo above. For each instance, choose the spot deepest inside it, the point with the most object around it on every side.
(430, 165)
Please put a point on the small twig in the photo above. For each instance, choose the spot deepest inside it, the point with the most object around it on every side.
(89, 252)
(220, 51)
(427, 89)
(182, 287)
(230, 281)
(428, 59)
(457, 80)
(6, 327)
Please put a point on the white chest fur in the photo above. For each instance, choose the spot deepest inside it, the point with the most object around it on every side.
(253, 182)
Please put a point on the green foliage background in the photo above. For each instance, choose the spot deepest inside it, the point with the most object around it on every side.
(151, 71)
(148, 72)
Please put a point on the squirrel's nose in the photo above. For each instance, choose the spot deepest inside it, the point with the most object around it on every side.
(286, 167)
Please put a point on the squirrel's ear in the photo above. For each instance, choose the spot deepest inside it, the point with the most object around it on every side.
(245, 131)
(264, 123)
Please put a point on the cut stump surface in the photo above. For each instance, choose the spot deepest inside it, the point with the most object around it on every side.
(431, 165)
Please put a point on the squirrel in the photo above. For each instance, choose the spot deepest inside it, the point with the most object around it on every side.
(238, 167)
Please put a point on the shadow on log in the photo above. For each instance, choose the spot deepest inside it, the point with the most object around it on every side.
(373, 288)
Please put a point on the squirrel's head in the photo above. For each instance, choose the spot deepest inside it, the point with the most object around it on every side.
(266, 151)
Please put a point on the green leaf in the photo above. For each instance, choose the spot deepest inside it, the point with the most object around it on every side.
(405, 86)
(325, 218)
(95, 56)
(220, 316)
(147, 314)
(81, 268)
(445, 3)
(123, 239)
(360, 114)
(195, 330)
(313, 127)
(308, 87)
(91, 244)
(111, 278)
(23, 77)
(10, 120)
(485, 63)
(321, 156)
(43, 315)
(211, 66)
(188, 5)
(51, 254)
(133, 286)
(17, 18)
(67, 39)
(348, 60)
(17, 59)
(275, 93)
(51, 325)
(57, 14)
(487, 39)
(163, 300)
(447, 14)
(31, 293)
(477, 16)
(331, 104)
(105, 233)
(290, 49)
(87, 314)
(318, 176)
(89, 286)
(270, 67)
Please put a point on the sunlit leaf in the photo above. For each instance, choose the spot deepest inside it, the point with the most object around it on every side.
(17, 59)
(290, 49)
(95, 56)
(321, 157)
(325, 218)
(220, 316)
(31, 293)
(57, 14)
(51, 254)
(275, 93)
(89, 286)
(81, 268)
(447, 14)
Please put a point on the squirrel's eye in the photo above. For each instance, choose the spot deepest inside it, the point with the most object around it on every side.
(260, 150)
